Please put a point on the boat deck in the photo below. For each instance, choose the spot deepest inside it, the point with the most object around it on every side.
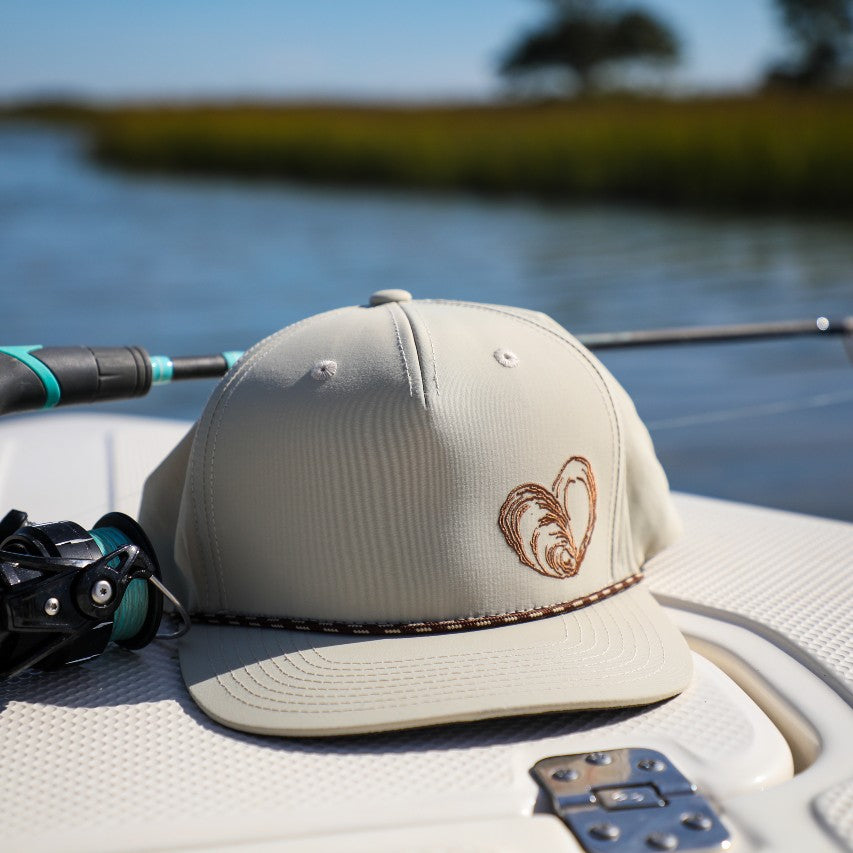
(131, 763)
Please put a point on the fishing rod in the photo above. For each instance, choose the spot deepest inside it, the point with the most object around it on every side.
(719, 334)
(67, 592)
(36, 377)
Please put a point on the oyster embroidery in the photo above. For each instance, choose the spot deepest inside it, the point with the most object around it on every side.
(550, 529)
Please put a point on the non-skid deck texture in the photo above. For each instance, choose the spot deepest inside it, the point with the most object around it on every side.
(790, 573)
(115, 755)
(835, 809)
(121, 739)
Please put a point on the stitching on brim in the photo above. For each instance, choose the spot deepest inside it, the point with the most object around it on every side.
(412, 629)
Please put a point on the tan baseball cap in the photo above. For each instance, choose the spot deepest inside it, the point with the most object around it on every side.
(416, 512)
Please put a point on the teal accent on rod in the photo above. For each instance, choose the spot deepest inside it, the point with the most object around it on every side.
(231, 357)
(161, 369)
(53, 392)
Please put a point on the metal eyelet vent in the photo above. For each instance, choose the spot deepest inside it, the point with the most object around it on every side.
(505, 357)
(324, 369)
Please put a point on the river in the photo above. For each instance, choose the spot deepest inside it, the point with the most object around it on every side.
(191, 266)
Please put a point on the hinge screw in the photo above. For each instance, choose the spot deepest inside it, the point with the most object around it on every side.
(652, 764)
(102, 592)
(605, 831)
(697, 820)
(662, 841)
(51, 606)
(565, 774)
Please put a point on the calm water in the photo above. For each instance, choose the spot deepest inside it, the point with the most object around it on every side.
(96, 257)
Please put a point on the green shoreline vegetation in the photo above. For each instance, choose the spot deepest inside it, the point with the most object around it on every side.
(773, 151)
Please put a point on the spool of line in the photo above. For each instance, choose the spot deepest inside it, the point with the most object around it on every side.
(130, 616)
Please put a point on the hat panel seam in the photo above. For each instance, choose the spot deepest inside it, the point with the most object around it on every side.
(431, 347)
(611, 409)
(401, 350)
(437, 626)
(408, 308)
(261, 350)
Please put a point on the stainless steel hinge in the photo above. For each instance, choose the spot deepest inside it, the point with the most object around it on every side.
(630, 801)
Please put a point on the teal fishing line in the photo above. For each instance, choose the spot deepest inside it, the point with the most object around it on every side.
(130, 616)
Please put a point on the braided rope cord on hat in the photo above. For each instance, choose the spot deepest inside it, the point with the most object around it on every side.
(443, 626)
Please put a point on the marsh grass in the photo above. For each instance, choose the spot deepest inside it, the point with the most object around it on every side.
(762, 152)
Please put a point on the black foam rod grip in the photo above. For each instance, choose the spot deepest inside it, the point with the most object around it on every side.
(82, 374)
(20, 388)
(90, 374)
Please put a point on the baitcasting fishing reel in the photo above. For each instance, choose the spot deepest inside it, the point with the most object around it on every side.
(66, 592)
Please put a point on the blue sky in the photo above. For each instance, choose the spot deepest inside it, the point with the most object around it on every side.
(361, 48)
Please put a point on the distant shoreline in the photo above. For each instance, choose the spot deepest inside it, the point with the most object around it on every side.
(769, 152)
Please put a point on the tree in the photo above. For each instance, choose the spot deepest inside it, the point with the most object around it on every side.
(820, 32)
(581, 36)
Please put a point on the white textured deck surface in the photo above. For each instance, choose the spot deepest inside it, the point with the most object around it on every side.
(835, 808)
(121, 738)
(115, 755)
(791, 573)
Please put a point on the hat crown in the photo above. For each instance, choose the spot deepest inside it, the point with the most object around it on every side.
(367, 485)
(457, 461)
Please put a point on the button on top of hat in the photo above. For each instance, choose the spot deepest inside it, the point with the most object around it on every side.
(383, 296)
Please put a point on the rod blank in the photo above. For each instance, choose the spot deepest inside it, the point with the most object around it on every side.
(33, 377)
(198, 366)
(718, 334)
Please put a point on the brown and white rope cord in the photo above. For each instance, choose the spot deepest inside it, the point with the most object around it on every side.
(443, 626)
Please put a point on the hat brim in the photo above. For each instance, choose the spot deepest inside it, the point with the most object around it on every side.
(619, 652)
